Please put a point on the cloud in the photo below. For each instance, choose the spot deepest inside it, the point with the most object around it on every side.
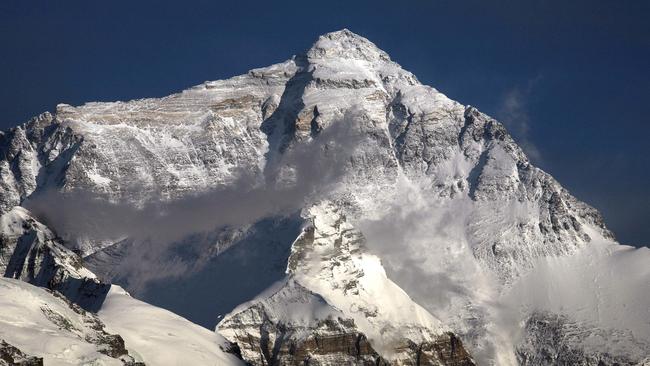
(306, 169)
(421, 237)
(513, 112)
(426, 249)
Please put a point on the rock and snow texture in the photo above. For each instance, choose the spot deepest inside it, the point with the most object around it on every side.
(31, 315)
(591, 308)
(289, 325)
(552, 339)
(10, 355)
(462, 221)
(338, 307)
(31, 252)
(45, 325)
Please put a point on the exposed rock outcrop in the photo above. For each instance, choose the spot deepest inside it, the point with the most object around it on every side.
(31, 252)
(12, 356)
(551, 339)
(294, 326)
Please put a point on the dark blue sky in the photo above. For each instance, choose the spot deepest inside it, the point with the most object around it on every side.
(571, 79)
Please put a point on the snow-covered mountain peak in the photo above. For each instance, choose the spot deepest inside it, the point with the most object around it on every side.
(435, 216)
(346, 59)
(345, 44)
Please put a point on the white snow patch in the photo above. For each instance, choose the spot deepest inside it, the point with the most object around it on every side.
(160, 337)
(25, 325)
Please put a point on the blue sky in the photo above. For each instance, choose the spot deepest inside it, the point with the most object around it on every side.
(571, 79)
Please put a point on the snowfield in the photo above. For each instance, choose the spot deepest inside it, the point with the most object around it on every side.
(43, 325)
(159, 337)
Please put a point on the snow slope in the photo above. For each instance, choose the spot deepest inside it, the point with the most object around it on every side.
(44, 325)
(603, 317)
(330, 258)
(159, 337)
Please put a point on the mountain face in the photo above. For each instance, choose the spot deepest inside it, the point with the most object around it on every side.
(337, 300)
(326, 210)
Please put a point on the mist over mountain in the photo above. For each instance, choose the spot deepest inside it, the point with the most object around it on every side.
(326, 210)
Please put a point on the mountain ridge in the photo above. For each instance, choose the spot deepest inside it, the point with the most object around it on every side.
(445, 198)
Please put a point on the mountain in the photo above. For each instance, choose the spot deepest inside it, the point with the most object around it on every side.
(60, 313)
(326, 210)
(337, 300)
(45, 325)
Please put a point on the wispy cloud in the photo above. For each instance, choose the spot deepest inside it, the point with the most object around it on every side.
(312, 168)
(513, 112)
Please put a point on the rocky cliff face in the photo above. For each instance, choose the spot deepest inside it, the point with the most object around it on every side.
(294, 326)
(322, 336)
(402, 190)
(204, 137)
(31, 252)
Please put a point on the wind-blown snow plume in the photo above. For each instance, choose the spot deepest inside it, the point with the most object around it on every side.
(514, 114)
